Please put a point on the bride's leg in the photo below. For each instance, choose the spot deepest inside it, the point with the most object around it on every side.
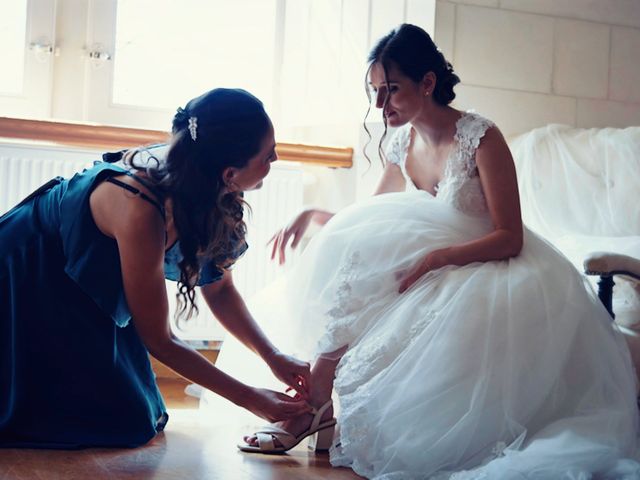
(322, 376)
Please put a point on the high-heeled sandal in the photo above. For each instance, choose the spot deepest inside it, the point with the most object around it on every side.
(321, 436)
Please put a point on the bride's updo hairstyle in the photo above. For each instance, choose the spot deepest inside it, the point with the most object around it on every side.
(410, 49)
(219, 129)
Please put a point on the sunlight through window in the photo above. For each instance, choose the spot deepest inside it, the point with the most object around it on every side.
(167, 50)
(13, 27)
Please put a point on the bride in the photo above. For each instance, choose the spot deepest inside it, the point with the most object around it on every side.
(460, 344)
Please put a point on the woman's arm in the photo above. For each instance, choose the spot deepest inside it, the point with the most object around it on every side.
(498, 177)
(231, 311)
(138, 229)
(392, 180)
(296, 229)
(229, 308)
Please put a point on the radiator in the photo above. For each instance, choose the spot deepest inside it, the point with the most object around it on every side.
(23, 168)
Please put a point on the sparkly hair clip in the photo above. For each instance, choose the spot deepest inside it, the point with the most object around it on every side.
(193, 127)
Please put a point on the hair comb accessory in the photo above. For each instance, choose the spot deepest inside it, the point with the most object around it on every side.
(193, 127)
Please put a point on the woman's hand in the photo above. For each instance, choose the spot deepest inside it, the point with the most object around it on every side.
(291, 371)
(433, 261)
(275, 406)
(295, 229)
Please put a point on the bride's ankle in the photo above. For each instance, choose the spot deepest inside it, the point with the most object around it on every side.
(318, 397)
(319, 401)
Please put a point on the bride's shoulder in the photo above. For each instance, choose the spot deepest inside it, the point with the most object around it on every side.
(472, 127)
(402, 133)
(398, 143)
(471, 119)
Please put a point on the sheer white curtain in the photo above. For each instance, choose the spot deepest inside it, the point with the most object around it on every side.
(579, 190)
(321, 92)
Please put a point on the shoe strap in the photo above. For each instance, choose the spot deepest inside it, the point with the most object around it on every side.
(273, 430)
(318, 414)
(265, 441)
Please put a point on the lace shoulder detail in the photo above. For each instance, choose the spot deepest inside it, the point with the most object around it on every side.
(460, 185)
(470, 129)
(396, 150)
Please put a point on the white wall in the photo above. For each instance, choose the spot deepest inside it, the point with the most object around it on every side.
(528, 63)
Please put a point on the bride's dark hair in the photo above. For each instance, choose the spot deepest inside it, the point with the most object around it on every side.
(411, 50)
(219, 129)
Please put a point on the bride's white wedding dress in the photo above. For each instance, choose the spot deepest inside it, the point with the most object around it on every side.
(496, 370)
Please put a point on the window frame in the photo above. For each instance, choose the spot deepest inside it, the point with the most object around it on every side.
(35, 99)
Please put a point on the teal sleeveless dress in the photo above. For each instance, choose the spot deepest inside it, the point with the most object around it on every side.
(73, 371)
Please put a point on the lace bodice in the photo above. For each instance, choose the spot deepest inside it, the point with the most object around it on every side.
(460, 185)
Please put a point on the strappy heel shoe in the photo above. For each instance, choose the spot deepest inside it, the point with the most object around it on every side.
(320, 433)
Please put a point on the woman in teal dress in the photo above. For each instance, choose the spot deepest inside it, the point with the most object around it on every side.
(83, 301)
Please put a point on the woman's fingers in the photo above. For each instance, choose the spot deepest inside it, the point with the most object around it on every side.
(297, 236)
(413, 277)
(283, 245)
(281, 239)
(305, 377)
(293, 407)
(279, 244)
(275, 239)
(409, 280)
(300, 385)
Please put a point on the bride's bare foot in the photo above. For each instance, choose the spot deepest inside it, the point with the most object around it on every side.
(298, 425)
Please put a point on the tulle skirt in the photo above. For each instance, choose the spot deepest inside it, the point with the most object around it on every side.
(496, 370)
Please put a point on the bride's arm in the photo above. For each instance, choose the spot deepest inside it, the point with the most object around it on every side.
(498, 177)
(392, 180)
(295, 229)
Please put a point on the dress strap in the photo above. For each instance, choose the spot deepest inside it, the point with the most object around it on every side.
(138, 192)
(115, 157)
(396, 152)
(146, 183)
(470, 128)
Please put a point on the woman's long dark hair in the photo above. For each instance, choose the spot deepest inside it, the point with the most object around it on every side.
(411, 50)
(219, 129)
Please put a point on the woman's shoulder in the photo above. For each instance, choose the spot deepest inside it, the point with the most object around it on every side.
(472, 127)
(124, 208)
(396, 149)
(470, 119)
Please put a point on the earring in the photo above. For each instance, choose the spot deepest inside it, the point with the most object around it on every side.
(426, 94)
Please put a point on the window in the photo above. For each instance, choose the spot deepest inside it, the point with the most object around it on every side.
(168, 51)
(303, 58)
(133, 62)
(13, 30)
(27, 32)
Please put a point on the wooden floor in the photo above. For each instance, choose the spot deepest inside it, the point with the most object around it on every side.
(190, 448)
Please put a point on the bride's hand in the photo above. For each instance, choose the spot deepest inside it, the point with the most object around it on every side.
(295, 228)
(432, 261)
(291, 371)
(275, 406)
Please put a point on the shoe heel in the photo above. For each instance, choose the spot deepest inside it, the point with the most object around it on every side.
(321, 440)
